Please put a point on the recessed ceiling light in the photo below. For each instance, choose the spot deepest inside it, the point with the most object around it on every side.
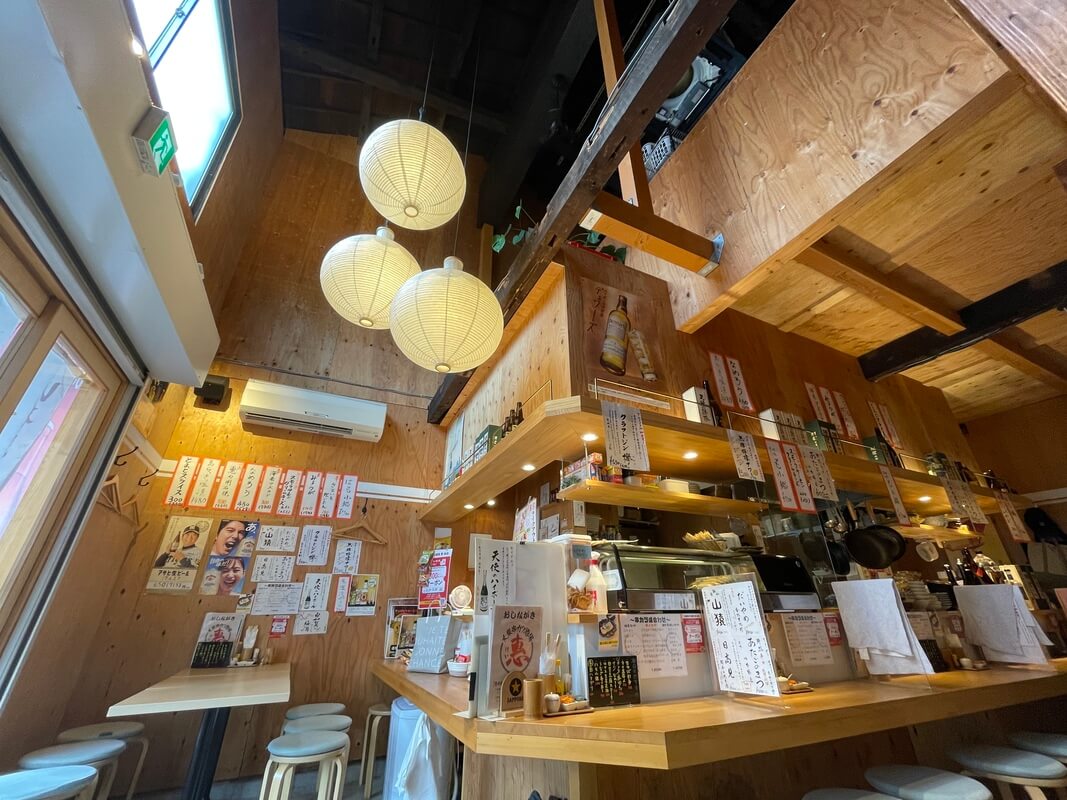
(490, 503)
(689, 455)
(468, 506)
(925, 498)
(589, 437)
(136, 47)
(528, 467)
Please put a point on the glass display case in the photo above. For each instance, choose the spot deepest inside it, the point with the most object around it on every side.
(643, 578)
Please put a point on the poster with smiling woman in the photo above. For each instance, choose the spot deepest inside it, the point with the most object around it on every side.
(224, 575)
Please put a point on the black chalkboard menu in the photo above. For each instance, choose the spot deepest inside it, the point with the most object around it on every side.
(613, 681)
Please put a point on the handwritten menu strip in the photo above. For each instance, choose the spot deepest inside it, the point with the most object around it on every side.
(331, 485)
(624, 436)
(816, 402)
(1011, 518)
(613, 681)
(737, 378)
(962, 500)
(274, 569)
(658, 642)
(340, 593)
(741, 653)
(891, 430)
(182, 481)
(822, 481)
(807, 639)
(314, 546)
(894, 495)
(246, 493)
(787, 497)
(287, 492)
(268, 490)
(309, 500)
(795, 463)
(494, 573)
(746, 457)
(276, 598)
(277, 538)
(346, 556)
(228, 485)
(722, 381)
(831, 409)
(311, 623)
(316, 592)
(205, 482)
(846, 417)
(347, 500)
(879, 420)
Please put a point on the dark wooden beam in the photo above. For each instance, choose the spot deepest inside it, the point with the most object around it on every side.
(668, 50)
(982, 320)
(374, 29)
(326, 66)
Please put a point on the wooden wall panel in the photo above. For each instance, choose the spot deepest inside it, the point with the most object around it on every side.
(820, 114)
(275, 314)
(224, 222)
(146, 637)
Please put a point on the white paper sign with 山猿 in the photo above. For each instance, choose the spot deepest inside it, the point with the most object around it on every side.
(624, 436)
(740, 651)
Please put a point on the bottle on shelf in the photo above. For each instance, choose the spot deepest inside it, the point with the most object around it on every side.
(713, 407)
(597, 588)
(483, 596)
(616, 340)
(518, 413)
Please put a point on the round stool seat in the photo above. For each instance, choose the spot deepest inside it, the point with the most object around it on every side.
(1053, 745)
(45, 784)
(326, 722)
(59, 755)
(379, 710)
(310, 743)
(120, 729)
(911, 782)
(314, 710)
(845, 794)
(1007, 761)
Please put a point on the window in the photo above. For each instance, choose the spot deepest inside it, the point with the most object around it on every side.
(190, 49)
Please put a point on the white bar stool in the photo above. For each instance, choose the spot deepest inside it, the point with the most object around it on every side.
(102, 754)
(375, 714)
(845, 794)
(73, 782)
(128, 731)
(1053, 745)
(913, 782)
(326, 722)
(314, 710)
(1007, 767)
(328, 749)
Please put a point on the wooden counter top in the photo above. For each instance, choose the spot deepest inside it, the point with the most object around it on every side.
(703, 730)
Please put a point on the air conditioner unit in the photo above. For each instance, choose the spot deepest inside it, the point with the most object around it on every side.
(277, 406)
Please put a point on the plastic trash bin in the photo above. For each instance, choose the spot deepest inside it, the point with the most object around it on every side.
(404, 733)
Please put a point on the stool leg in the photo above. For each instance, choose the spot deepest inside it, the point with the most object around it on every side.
(143, 742)
(88, 792)
(268, 773)
(1004, 790)
(342, 768)
(325, 780)
(372, 750)
(1034, 793)
(106, 777)
(363, 753)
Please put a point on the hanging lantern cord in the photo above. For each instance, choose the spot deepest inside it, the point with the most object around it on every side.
(429, 71)
(470, 118)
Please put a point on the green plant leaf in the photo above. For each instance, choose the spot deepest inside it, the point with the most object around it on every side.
(518, 237)
(608, 250)
(592, 238)
(620, 255)
(498, 242)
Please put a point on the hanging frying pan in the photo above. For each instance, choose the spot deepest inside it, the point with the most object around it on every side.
(875, 547)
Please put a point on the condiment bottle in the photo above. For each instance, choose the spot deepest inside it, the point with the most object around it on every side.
(597, 589)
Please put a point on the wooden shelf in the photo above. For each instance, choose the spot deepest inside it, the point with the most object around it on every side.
(618, 494)
(581, 619)
(553, 431)
(935, 533)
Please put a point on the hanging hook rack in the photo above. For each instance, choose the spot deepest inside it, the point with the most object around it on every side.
(120, 459)
(144, 481)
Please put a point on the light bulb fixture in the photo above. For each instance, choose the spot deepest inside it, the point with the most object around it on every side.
(925, 498)
(412, 174)
(490, 503)
(360, 276)
(528, 467)
(468, 506)
(446, 320)
(589, 437)
(689, 455)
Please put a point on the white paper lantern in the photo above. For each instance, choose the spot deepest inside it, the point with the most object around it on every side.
(360, 277)
(446, 319)
(412, 174)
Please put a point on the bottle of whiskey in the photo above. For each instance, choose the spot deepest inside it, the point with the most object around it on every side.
(616, 340)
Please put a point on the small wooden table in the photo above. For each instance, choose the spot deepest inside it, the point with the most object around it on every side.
(215, 692)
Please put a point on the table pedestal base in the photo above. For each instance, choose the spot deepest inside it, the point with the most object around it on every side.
(205, 758)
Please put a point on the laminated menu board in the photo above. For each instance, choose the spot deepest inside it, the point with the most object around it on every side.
(741, 653)
(514, 644)
(613, 681)
(218, 635)
(435, 642)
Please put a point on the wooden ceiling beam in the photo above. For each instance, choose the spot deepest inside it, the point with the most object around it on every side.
(664, 55)
(334, 68)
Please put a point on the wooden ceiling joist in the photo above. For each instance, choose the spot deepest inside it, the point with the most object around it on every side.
(668, 51)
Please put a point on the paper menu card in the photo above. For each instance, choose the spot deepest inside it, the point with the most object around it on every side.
(877, 627)
(807, 639)
(996, 619)
(741, 654)
(514, 645)
(658, 642)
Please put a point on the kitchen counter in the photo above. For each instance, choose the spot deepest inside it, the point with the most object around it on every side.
(684, 733)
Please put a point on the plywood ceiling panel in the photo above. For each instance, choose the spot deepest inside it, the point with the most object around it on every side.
(856, 325)
(1048, 329)
(789, 291)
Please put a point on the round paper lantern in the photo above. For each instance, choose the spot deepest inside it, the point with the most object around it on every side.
(446, 319)
(412, 174)
(360, 276)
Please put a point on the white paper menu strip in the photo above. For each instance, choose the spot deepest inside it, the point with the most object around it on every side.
(807, 640)
(894, 495)
(228, 485)
(331, 484)
(722, 381)
(277, 538)
(787, 497)
(340, 593)
(624, 436)
(182, 482)
(346, 556)
(740, 651)
(274, 569)
(831, 410)
(316, 592)
(246, 494)
(205, 482)
(288, 491)
(737, 378)
(494, 573)
(846, 417)
(314, 546)
(963, 501)
(268, 490)
(746, 457)
(892, 433)
(309, 500)
(800, 479)
(347, 500)
(822, 480)
(1011, 518)
(816, 402)
(311, 622)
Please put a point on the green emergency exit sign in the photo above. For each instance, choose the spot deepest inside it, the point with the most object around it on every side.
(154, 141)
